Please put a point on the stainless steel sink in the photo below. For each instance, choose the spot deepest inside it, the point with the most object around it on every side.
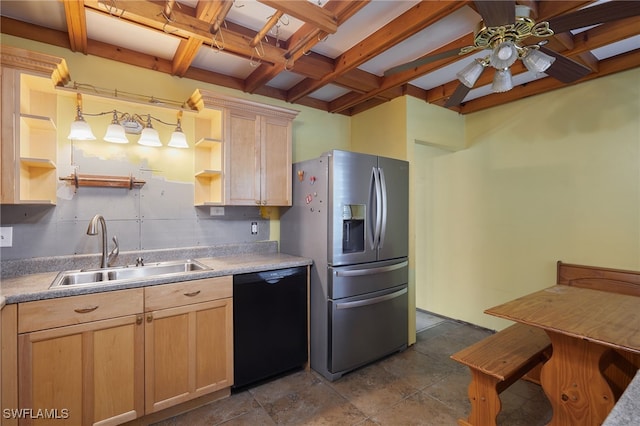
(132, 272)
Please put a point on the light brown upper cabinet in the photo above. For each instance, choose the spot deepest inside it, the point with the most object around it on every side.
(257, 152)
(29, 137)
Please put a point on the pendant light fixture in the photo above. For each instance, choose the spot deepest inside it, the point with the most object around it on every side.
(115, 132)
(80, 129)
(123, 123)
(149, 136)
(178, 138)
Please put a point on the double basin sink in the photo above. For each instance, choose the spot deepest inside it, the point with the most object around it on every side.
(121, 273)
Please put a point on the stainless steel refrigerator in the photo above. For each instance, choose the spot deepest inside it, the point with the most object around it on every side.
(350, 215)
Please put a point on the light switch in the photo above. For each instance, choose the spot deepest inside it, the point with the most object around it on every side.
(6, 236)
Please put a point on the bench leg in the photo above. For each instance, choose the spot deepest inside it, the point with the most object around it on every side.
(485, 400)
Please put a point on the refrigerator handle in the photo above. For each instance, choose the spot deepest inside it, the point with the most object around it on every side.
(373, 301)
(383, 220)
(378, 221)
(371, 271)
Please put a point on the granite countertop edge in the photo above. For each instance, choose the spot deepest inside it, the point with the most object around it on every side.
(34, 287)
(627, 409)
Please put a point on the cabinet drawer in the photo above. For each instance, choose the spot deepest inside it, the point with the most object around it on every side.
(43, 314)
(188, 292)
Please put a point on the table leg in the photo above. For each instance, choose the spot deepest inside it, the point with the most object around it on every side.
(574, 384)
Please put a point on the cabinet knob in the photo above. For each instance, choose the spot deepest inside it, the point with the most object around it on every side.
(149, 317)
(139, 319)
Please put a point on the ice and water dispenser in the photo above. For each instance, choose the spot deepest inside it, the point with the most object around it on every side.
(353, 227)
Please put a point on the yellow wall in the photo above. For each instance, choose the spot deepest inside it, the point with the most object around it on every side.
(497, 197)
(553, 177)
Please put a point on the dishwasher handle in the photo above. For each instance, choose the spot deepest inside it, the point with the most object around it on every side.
(372, 301)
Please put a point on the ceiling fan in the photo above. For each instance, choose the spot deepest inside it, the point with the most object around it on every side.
(504, 29)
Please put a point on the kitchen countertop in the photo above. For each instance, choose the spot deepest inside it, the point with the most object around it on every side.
(36, 286)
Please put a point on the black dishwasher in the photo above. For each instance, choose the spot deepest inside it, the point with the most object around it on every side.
(269, 324)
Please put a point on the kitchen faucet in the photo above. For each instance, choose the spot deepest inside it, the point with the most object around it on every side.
(93, 230)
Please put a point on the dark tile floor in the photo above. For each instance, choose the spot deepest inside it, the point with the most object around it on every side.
(419, 386)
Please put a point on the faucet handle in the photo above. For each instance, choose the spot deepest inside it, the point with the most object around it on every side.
(113, 254)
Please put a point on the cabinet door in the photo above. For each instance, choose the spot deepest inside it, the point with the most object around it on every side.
(242, 177)
(188, 352)
(86, 374)
(275, 162)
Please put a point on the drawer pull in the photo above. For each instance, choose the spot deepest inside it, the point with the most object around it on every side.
(86, 310)
(194, 293)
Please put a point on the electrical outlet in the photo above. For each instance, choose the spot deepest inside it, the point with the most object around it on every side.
(6, 236)
(254, 228)
(216, 211)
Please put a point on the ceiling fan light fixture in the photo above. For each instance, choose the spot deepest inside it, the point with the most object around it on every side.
(470, 74)
(502, 81)
(504, 55)
(537, 61)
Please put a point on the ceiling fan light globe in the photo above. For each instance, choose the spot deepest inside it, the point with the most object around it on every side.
(80, 131)
(502, 81)
(537, 61)
(504, 55)
(470, 74)
(115, 134)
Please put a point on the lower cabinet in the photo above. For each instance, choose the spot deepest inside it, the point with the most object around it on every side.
(188, 341)
(108, 358)
(90, 372)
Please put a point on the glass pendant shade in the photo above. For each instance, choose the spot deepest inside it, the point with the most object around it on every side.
(502, 81)
(470, 74)
(80, 130)
(115, 133)
(537, 61)
(504, 55)
(178, 140)
(149, 137)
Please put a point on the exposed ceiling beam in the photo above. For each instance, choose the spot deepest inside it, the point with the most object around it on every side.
(307, 12)
(76, 25)
(415, 19)
(301, 43)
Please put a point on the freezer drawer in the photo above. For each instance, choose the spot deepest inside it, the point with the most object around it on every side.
(366, 328)
(348, 281)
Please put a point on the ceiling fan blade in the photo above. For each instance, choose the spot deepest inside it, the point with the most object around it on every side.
(497, 13)
(598, 14)
(564, 69)
(458, 96)
(421, 61)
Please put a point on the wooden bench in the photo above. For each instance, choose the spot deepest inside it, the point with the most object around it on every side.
(618, 367)
(498, 361)
(597, 278)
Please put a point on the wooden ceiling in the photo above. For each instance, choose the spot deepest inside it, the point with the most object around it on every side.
(204, 24)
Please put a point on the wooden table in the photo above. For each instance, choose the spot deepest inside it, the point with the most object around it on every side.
(595, 336)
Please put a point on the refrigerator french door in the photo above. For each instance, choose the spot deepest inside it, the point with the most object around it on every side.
(350, 215)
